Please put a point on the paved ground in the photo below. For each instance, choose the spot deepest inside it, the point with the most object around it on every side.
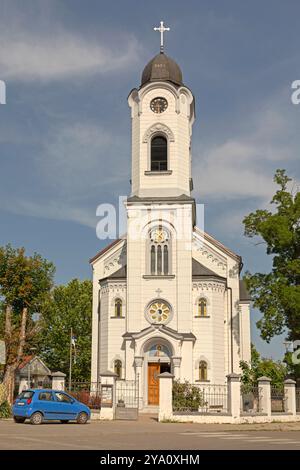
(147, 433)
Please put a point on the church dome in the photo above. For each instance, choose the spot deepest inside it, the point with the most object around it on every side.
(162, 67)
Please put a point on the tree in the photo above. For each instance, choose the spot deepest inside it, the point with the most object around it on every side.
(25, 284)
(277, 293)
(260, 367)
(70, 306)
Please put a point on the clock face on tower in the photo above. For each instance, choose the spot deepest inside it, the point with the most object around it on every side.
(158, 235)
(158, 105)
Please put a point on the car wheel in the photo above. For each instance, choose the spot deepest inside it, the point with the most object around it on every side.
(64, 421)
(82, 418)
(36, 418)
(19, 420)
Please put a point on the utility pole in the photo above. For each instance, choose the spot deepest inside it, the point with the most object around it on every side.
(70, 368)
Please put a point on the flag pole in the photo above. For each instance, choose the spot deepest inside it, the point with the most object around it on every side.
(70, 367)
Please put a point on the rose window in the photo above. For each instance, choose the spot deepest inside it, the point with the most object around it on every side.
(159, 312)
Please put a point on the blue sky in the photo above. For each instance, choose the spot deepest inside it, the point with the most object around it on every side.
(65, 130)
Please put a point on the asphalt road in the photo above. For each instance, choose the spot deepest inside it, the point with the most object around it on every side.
(146, 433)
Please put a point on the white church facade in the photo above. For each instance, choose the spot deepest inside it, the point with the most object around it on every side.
(166, 296)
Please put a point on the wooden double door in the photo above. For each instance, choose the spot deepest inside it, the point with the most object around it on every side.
(154, 369)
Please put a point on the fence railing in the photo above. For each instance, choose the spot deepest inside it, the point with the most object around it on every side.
(88, 393)
(251, 396)
(127, 393)
(277, 399)
(200, 398)
(298, 400)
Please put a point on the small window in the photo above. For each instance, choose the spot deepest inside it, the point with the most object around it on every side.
(159, 154)
(63, 398)
(25, 395)
(118, 368)
(202, 308)
(202, 370)
(118, 308)
(45, 396)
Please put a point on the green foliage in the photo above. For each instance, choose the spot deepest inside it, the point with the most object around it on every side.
(260, 367)
(3, 393)
(277, 294)
(25, 285)
(25, 281)
(187, 396)
(70, 306)
(293, 368)
(5, 410)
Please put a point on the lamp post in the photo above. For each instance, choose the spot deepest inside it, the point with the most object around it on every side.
(29, 368)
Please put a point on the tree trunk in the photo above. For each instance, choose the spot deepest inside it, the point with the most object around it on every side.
(22, 336)
(13, 362)
(9, 382)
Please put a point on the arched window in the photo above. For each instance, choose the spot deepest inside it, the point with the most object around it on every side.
(159, 153)
(166, 260)
(202, 370)
(160, 252)
(202, 308)
(118, 308)
(118, 368)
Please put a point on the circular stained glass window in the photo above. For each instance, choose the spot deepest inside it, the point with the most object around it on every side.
(159, 312)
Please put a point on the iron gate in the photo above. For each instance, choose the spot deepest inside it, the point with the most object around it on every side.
(127, 399)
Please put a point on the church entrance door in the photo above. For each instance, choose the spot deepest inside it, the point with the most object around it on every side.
(154, 369)
(153, 384)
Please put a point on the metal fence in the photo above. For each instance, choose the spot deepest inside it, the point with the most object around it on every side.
(277, 399)
(127, 399)
(251, 395)
(200, 398)
(298, 400)
(88, 393)
(127, 393)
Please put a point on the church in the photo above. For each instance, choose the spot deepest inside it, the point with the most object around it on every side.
(167, 296)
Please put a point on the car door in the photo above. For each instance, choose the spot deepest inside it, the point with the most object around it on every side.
(46, 404)
(65, 406)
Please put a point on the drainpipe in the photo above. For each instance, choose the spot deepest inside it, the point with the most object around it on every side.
(231, 328)
(98, 340)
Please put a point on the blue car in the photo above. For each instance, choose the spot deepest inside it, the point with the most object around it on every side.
(43, 405)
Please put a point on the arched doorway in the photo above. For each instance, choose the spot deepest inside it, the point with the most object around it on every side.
(157, 359)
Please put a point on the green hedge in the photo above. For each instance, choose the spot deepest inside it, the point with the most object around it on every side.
(5, 410)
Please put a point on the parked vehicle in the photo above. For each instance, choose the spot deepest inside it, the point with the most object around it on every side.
(39, 405)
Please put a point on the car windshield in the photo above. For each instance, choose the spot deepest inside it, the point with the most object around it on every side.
(25, 395)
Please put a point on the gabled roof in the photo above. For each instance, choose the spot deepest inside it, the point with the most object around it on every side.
(32, 360)
(162, 329)
(104, 250)
(198, 270)
(119, 274)
(25, 361)
(218, 244)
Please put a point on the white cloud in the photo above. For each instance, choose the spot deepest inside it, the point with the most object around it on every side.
(243, 165)
(75, 164)
(55, 54)
(53, 209)
(80, 159)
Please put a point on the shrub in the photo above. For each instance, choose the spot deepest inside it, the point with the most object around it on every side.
(3, 393)
(5, 410)
(187, 397)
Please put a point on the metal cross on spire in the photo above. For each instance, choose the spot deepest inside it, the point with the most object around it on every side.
(161, 29)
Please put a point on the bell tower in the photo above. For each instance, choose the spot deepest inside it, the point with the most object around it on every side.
(160, 209)
(162, 112)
